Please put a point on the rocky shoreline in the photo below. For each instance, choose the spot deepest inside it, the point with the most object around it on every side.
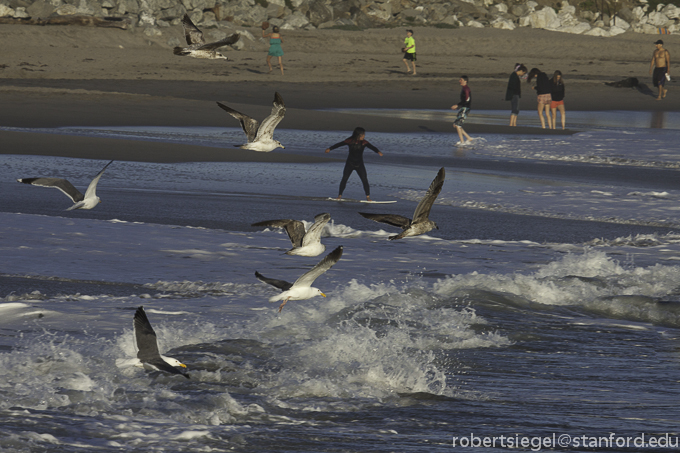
(220, 16)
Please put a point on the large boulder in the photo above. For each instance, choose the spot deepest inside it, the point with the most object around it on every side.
(40, 9)
(6, 11)
(295, 21)
(319, 12)
(545, 18)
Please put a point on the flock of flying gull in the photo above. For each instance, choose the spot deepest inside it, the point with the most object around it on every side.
(305, 243)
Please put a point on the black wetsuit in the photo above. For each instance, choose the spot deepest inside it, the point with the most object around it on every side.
(355, 162)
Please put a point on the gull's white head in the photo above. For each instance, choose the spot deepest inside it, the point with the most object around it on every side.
(174, 362)
(279, 145)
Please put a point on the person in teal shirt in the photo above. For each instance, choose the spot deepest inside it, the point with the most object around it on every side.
(275, 50)
(410, 51)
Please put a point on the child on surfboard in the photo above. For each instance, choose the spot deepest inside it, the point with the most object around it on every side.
(355, 159)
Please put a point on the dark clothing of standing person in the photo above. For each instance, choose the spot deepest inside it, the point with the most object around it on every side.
(355, 159)
(543, 85)
(514, 91)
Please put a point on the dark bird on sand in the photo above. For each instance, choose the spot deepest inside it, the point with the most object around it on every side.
(629, 82)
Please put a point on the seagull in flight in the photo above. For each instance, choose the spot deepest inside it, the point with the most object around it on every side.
(147, 344)
(87, 201)
(304, 243)
(197, 47)
(302, 288)
(260, 136)
(421, 222)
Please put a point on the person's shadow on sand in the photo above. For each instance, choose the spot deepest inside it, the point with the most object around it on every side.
(644, 89)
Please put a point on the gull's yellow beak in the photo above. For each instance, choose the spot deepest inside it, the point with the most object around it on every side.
(323, 294)
(182, 365)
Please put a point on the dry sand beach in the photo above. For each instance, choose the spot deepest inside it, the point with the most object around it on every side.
(54, 76)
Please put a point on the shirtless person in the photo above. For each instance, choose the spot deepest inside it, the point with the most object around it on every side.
(661, 65)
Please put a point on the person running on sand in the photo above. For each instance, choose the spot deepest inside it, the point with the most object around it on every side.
(355, 159)
(464, 106)
(660, 68)
(409, 51)
(275, 50)
(514, 91)
(543, 91)
(557, 96)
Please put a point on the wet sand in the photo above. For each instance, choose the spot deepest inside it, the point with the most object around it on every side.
(80, 76)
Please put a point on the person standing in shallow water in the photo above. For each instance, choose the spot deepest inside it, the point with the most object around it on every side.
(557, 102)
(543, 89)
(514, 91)
(275, 50)
(355, 159)
(464, 105)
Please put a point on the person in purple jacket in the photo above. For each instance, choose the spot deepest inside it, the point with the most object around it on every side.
(355, 159)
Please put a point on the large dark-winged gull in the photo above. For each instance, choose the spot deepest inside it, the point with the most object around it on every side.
(197, 47)
(87, 201)
(421, 223)
(260, 136)
(147, 345)
(304, 243)
(302, 288)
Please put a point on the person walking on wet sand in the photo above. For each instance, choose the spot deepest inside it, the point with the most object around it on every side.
(275, 50)
(355, 159)
(409, 51)
(464, 106)
(660, 69)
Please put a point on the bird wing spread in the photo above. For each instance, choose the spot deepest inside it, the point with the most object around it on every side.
(231, 39)
(390, 219)
(294, 228)
(145, 337)
(56, 183)
(422, 211)
(313, 235)
(308, 278)
(191, 31)
(281, 284)
(92, 188)
(269, 124)
(249, 125)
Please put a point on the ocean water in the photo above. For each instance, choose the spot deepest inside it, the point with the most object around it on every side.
(544, 314)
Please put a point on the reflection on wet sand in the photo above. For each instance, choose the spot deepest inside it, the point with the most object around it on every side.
(577, 120)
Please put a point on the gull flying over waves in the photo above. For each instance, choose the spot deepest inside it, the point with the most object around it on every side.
(304, 243)
(147, 345)
(421, 223)
(260, 136)
(197, 47)
(302, 288)
(87, 201)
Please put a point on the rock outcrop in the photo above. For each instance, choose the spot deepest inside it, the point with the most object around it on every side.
(611, 19)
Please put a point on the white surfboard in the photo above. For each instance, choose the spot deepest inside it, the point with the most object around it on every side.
(351, 200)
